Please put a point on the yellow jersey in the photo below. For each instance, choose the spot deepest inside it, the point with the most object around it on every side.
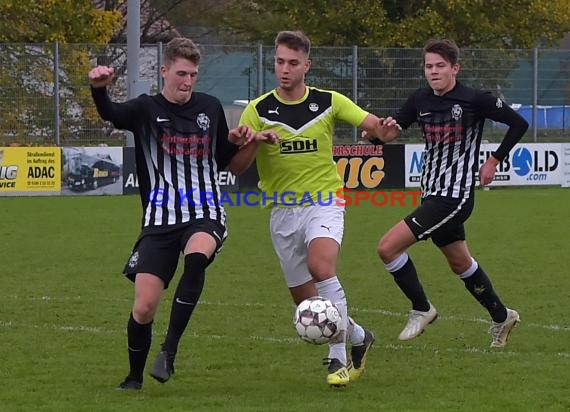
(299, 170)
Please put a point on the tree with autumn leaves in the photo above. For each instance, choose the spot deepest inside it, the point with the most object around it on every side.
(28, 70)
(402, 23)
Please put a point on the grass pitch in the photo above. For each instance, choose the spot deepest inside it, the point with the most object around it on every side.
(64, 308)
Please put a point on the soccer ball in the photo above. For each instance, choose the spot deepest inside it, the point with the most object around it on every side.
(317, 320)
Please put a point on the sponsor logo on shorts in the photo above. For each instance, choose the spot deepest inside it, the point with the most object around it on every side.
(134, 259)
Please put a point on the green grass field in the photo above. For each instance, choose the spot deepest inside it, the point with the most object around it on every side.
(64, 308)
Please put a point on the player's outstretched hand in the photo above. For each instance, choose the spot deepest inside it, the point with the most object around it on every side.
(267, 136)
(386, 130)
(389, 128)
(241, 135)
(101, 76)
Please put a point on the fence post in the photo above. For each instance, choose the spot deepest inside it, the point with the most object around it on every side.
(159, 80)
(134, 85)
(535, 95)
(355, 86)
(56, 92)
(260, 72)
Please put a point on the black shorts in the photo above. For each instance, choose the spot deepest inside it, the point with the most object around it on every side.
(157, 250)
(441, 219)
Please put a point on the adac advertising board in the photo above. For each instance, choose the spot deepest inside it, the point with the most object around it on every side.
(30, 170)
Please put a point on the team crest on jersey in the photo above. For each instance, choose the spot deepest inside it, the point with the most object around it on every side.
(499, 103)
(203, 121)
(313, 107)
(456, 112)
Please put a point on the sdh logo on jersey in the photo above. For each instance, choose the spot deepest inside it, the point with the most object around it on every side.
(303, 145)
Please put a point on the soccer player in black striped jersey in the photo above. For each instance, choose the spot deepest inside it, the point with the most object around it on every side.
(451, 117)
(181, 142)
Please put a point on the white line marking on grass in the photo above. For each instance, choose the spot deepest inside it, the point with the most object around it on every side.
(286, 340)
(64, 328)
(352, 309)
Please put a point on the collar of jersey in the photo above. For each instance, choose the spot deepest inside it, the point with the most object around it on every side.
(302, 99)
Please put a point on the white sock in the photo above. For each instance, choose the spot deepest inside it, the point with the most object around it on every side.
(355, 333)
(333, 291)
(470, 270)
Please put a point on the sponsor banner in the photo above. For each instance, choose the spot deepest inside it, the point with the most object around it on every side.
(130, 181)
(30, 170)
(362, 166)
(565, 167)
(92, 171)
(227, 180)
(413, 162)
(528, 164)
(367, 166)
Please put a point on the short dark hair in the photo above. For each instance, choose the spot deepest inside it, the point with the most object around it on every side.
(181, 47)
(444, 47)
(296, 40)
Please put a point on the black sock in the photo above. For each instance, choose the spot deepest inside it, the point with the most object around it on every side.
(185, 298)
(139, 338)
(407, 280)
(479, 285)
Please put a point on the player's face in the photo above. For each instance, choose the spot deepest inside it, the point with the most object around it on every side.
(179, 80)
(290, 68)
(440, 73)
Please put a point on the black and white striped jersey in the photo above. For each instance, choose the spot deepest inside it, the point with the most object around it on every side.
(452, 126)
(179, 151)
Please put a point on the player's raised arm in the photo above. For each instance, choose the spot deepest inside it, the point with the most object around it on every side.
(101, 76)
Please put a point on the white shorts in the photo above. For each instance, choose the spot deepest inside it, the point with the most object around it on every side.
(292, 229)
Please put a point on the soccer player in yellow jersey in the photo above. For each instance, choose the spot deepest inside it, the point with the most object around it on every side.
(290, 133)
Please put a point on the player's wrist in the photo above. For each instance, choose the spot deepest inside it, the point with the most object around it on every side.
(377, 141)
(493, 159)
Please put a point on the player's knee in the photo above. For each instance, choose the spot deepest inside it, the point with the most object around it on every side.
(321, 270)
(459, 264)
(385, 251)
(143, 311)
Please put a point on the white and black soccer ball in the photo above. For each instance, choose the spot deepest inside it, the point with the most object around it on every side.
(317, 320)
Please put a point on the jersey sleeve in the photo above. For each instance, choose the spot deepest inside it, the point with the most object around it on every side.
(122, 115)
(250, 117)
(407, 114)
(225, 149)
(346, 110)
(494, 108)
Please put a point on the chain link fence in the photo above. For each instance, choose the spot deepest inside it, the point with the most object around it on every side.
(45, 97)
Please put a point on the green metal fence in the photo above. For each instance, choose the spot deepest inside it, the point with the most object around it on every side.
(45, 97)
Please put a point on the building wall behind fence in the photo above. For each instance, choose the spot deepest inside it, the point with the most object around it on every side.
(45, 97)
